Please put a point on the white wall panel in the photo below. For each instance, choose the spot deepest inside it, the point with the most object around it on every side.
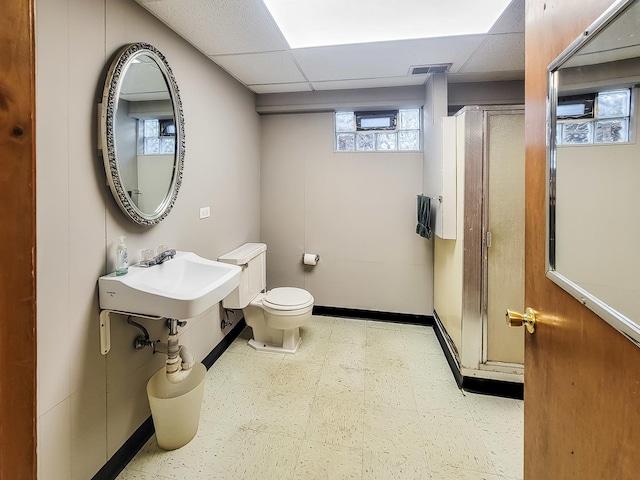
(88, 404)
(356, 210)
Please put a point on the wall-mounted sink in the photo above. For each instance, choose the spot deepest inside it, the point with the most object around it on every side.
(183, 287)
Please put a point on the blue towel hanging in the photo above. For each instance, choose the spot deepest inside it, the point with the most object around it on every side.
(424, 217)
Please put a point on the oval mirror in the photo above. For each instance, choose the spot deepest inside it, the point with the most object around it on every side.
(594, 168)
(142, 133)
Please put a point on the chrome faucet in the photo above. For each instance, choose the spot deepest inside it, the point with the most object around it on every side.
(160, 258)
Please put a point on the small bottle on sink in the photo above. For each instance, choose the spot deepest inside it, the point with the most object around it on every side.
(122, 258)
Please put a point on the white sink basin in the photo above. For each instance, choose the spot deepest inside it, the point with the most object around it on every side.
(182, 287)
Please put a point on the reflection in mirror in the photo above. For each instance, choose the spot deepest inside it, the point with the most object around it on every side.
(594, 169)
(143, 132)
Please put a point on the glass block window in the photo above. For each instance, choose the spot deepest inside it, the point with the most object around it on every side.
(386, 141)
(406, 136)
(614, 104)
(409, 140)
(167, 145)
(409, 119)
(345, 142)
(610, 122)
(612, 131)
(366, 141)
(577, 133)
(156, 137)
(151, 145)
(151, 128)
(345, 122)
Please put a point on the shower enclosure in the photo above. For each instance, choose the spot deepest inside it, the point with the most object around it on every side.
(479, 264)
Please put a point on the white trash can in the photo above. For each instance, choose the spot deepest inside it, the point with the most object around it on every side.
(175, 407)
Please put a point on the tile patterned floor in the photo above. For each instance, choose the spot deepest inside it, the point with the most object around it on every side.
(361, 400)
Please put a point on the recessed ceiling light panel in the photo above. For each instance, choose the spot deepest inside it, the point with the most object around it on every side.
(315, 23)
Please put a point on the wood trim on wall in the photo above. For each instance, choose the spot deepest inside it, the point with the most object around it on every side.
(17, 243)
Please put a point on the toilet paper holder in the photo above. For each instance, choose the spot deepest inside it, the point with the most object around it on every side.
(310, 258)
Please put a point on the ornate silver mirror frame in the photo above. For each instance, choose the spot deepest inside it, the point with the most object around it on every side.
(582, 291)
(129, 55)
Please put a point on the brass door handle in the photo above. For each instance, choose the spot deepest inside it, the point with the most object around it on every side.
(516, 319)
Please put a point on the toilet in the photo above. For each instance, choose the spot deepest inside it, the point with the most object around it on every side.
(274, 316)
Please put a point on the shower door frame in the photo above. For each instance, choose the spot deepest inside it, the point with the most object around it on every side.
(473, 351)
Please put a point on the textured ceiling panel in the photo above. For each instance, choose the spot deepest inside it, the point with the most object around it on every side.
(281, 88)
(369, 83)
(387, 59)
(610, 44)
(512, 20)
(223, 29)
(498, 53)
(259, 68)
(218, 27)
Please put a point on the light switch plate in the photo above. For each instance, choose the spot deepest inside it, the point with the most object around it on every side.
(205, 212)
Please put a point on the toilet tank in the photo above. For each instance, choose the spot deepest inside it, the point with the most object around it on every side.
(252, 257)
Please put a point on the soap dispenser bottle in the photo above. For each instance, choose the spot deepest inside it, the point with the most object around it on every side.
(122, 258)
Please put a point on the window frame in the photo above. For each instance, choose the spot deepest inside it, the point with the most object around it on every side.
(595, 118)
(353, 137)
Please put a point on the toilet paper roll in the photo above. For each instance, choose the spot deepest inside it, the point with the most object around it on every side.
(310, 258)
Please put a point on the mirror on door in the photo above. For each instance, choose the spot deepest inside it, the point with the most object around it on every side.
(594, 168)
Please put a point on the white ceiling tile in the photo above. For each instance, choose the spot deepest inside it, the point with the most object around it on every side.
(281, 88)
(387, 59)
(504, 52)
(512, 20)
(224, 29)
(219, 27)
(260, 68)
(369, 83)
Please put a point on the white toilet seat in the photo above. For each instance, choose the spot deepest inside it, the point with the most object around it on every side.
(287, 301)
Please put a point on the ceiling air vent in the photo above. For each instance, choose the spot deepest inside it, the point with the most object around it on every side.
(428, 69)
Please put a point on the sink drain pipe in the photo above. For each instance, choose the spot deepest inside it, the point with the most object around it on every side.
(179, 360)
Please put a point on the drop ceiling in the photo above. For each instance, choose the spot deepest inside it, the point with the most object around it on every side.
(242, 37)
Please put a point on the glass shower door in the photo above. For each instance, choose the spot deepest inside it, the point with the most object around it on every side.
(504, 235)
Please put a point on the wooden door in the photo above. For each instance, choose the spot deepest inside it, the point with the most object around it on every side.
(582, 378)
(17, 243)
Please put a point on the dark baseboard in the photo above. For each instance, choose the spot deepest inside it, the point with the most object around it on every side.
(440, 335)
(497, 388)
(484, 386)
(374, 315)
(132, 446)
(126, 452)
(225, 343)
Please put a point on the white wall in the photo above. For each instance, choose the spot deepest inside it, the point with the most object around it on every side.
(510, 92)
(327, 100)
(154, 174)
(89, 404)
(127, 146)
(356, 210)
(596, 233)
(435, 107)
